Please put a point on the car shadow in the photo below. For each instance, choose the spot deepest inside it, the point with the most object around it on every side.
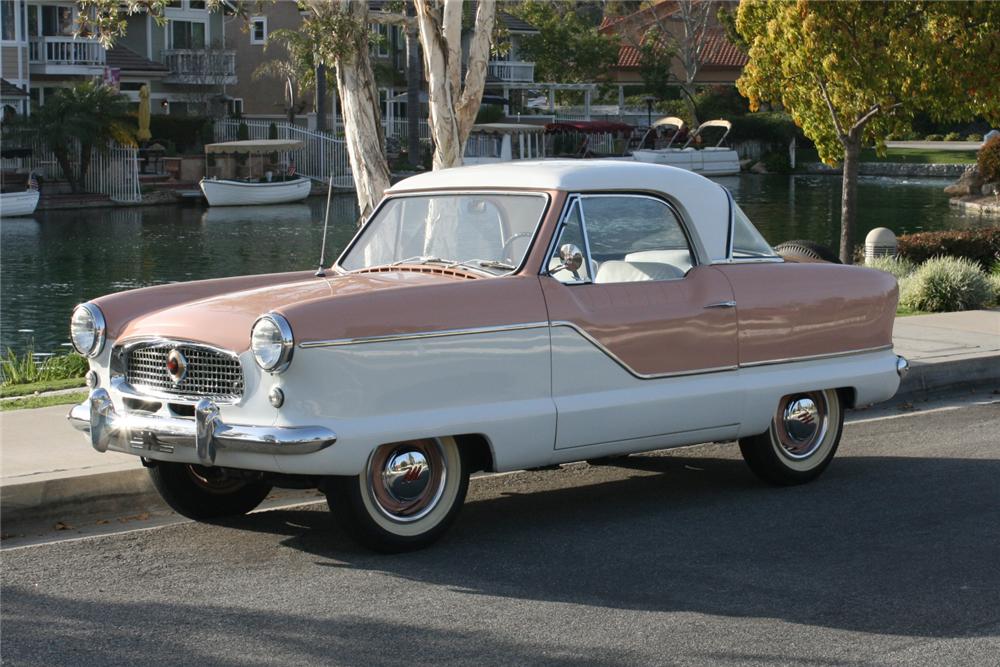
(905, 546)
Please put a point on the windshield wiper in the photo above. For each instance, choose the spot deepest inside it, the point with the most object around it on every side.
(418, 259)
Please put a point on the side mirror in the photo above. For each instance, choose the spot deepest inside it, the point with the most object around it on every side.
(571, 256)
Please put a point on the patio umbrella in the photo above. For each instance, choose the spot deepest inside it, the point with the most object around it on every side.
(143, 134)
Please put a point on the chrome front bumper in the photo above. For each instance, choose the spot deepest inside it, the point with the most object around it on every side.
(206, 432)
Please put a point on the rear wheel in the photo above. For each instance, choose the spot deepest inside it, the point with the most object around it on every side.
(801, 441)
(406, 497)
(199, 492)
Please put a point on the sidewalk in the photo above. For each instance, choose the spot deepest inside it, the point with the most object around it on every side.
(47, 467)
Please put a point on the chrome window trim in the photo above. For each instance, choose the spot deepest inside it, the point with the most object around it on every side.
(695, 249)
(428, 193)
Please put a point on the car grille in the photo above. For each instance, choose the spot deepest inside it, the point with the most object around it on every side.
(210, 373)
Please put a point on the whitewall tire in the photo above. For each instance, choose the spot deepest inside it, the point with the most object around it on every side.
(407, 496)
(802, 440)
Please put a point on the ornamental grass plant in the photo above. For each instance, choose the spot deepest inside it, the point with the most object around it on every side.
(899, 267)
(946, 284)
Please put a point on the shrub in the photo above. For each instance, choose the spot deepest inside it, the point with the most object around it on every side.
(945, 284)
(974, 137)
(899, 267)
(934, 137)
(777, 162)
(988, 160)
(242, 131)
(767, 127)
(981, 246)
(953, 136)
(994, 279)
(26, 367)
(489, 113)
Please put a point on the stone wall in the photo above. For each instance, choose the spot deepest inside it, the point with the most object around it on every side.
(893, 169)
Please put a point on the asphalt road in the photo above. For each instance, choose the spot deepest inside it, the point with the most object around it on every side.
(892, 557)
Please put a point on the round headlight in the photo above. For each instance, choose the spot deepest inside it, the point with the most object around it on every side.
(271, 343)
(86, 330)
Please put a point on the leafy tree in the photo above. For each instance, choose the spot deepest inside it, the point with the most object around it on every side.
(297, 69)
(568, 48)
(88, 116)
(849, 73)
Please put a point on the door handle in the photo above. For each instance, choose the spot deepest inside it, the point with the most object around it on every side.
(722, 304)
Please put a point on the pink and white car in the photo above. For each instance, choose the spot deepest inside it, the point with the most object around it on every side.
(495, 318)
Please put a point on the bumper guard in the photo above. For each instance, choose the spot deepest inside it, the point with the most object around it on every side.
(206, 432)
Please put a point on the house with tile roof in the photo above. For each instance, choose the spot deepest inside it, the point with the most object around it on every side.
(721, 61)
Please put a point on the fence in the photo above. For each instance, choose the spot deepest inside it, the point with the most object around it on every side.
(113, 171)
(321, 156)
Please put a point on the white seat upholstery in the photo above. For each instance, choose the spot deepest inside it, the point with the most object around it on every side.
(555, 261)
(629, 272)
(678, 258)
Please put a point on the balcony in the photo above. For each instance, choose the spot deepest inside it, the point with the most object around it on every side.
(200, 67)
(510, 71)
(66, 56)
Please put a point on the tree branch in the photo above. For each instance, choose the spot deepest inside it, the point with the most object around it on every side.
(829, 105)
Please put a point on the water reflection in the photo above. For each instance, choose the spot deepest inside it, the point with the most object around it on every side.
(59, 258)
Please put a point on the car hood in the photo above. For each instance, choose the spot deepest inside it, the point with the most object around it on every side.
(225, 320)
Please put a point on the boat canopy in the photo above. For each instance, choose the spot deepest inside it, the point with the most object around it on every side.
(669, 121)
(588, 127)
(506, 128)
(253, 147)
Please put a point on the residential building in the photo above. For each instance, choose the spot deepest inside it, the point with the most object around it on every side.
(721, 60)
(14, 75)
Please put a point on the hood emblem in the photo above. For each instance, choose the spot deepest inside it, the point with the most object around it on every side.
(176, 366)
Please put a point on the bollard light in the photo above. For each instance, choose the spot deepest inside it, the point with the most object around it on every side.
(880, 242)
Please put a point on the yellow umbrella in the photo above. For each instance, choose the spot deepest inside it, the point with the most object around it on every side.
(143, 134)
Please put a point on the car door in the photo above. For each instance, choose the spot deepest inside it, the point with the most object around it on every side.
(644, 338)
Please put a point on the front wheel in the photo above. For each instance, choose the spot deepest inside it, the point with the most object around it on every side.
(200, 493)
(801, 441)
(405, 498)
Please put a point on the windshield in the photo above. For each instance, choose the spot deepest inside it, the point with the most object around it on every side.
(485, 232)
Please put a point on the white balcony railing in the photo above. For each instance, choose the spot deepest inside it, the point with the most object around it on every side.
(512, 71)
(66, 51)
(201, 66)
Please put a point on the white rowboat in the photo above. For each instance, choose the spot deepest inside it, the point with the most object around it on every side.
(712, 161)
(225, 192)
(14, 204)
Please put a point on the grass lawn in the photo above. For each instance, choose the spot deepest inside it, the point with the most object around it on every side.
(43, 401)
(45, 385)
(909, 155)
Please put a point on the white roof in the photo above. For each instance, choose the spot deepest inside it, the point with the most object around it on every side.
(703, 202)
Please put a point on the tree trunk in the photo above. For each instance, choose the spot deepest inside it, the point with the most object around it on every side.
(849, 196)
(86, 152)
(362, 116)
(413, 78)
(453, 107)
(321, 98)
(62, 157)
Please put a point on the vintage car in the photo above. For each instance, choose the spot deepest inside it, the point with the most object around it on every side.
(489, 318)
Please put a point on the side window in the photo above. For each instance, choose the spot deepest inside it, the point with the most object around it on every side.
(747, 241)
(570, 234)
(634, 239)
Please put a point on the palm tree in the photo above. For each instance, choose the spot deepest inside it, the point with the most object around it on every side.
(88, 115)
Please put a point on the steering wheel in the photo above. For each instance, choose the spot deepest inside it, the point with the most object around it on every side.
(508, 242)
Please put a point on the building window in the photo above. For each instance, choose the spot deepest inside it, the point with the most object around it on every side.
(380, 39)
(187, 34)
(235, 107)
(8, 21)
(258, 30)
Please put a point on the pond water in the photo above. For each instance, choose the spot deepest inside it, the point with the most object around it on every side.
(57, 259)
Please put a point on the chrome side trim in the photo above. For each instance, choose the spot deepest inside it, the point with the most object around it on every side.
(422, 334)
(642, 376)
(722, 304)
(136, 433)
(815, 357)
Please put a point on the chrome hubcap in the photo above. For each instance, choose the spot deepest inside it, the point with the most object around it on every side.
(407, 479)
(800, 424)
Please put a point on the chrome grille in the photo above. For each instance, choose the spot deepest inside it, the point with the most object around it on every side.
(210, 373)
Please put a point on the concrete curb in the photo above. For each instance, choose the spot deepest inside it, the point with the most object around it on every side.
(130, 491)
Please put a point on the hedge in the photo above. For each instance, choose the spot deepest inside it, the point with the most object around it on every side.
(767, 127)
(187, 133)
(981, 246)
